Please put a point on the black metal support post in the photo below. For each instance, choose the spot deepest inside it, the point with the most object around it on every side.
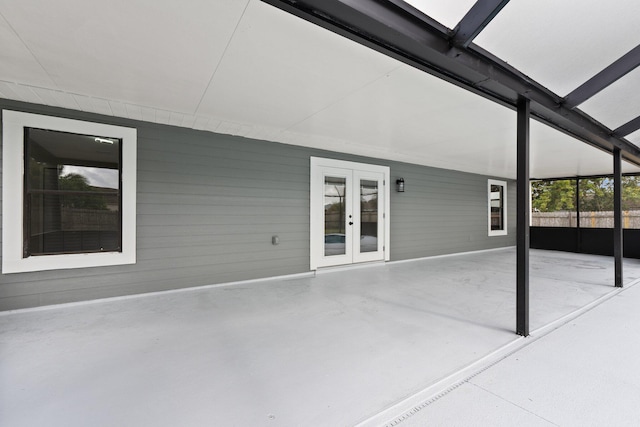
(579, 236)
(617, 215)
(627, 63)
(475, 20)
(523, 216)
(628, 128)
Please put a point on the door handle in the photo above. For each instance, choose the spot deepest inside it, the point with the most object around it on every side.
(350, 223)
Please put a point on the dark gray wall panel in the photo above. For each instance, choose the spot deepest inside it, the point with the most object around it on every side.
(208, 205)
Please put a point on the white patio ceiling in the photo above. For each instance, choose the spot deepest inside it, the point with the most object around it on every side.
(246, 68)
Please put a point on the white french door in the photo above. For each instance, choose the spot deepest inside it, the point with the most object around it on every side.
(349, 213)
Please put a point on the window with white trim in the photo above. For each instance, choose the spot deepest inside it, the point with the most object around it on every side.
(69, 193)
(497, 202)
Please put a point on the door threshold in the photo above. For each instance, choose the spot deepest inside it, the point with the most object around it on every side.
(331, 269)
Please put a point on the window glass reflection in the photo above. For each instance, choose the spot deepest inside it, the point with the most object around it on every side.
(72, 193)
(497, 211)
(368, 216)
(334, 215)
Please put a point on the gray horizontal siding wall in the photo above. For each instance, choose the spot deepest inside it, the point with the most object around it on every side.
(208, 205)
(442, 212)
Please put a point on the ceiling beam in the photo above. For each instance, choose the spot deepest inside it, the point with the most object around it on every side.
(395, 31)
(628, 128)
(478, 17)
(604, 78)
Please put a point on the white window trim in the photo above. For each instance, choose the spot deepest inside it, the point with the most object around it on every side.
(13, 124)
(491, 182)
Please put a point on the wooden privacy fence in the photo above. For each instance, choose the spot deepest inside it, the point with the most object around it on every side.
(89, 219)
(604, 219)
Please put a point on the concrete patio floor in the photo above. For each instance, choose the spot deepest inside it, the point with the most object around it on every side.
(346, 347)
(586, 373)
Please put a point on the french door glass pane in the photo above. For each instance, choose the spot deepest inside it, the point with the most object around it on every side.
(368, 216)
(335, 192)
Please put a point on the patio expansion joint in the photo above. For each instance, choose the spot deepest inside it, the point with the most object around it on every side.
(466, 380)
(422, 399)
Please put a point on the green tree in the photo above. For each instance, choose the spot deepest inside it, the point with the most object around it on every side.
(77, 183)
(553, 195)
(596, 194)
(630, 193)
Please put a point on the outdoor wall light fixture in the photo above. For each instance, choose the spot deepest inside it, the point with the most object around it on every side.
(400, 185)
